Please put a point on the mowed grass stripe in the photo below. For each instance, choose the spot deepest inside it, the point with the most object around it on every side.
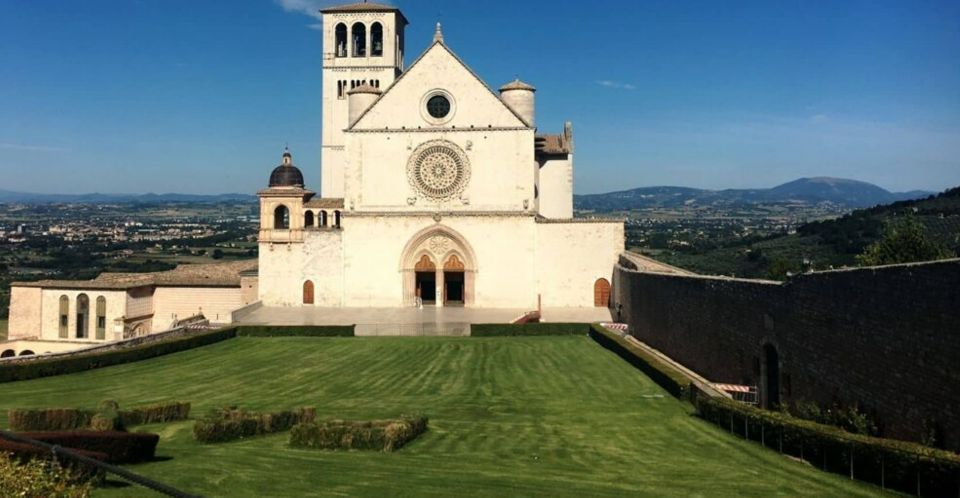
(528, 416)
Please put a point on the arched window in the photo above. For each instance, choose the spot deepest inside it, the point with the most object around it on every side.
(8, 353)
(323, 218)
(376, 39)
(83, 313)
(308, 292)
(601, 293)
(341, 40)
(64, 316)
(101, 318)
(281, 218)
(308, 219)
(359, 39)
(336, 219)
(26, 352)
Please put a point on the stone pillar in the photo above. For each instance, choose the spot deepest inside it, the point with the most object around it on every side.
(440, 287)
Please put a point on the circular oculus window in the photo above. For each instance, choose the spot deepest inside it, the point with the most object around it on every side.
(438, 106)
(438, 170)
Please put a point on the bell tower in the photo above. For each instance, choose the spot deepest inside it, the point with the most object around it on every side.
(363, 44)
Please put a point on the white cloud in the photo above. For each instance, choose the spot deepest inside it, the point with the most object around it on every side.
(306, 7)
(616, 84)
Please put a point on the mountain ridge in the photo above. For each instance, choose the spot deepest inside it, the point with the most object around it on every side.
(841, 191)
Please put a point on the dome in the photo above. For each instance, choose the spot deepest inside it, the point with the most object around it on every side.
(286, 175)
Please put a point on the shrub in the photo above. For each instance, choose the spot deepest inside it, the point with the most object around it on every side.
(14, 370)
(382, 435)
(120, 447)
(37, 478)
(310, 331)
(668, 377)
(80, 471)
(107, 417)
(899, 465)
(527, 329)
(230, 423)
(53, 419)
(156, 413)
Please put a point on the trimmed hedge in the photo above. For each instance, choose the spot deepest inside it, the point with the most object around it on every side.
(156, 413)
(527, 329)
(34, 369)
(230, 423)
(64, 419)
(295, 331)
(119, 447)
(668, 377)
(899, 465)
(53, 419)
(381, 435)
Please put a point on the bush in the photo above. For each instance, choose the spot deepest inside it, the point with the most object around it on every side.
(24, 453)
(899, 465)
(38, 478)
(230, 423)
(156, 413)
(527, 329)
(668, 377)
(310, 331)
(120, 447)
(108, 417)
(382, 435)
(54, 419)
(13, 370)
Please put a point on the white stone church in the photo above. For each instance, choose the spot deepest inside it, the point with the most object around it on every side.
(435, 191)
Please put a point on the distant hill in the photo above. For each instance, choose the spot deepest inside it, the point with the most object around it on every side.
(824, 244)
(7, 196)
(839, 191)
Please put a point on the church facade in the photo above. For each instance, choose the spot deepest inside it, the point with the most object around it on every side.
(435, 190)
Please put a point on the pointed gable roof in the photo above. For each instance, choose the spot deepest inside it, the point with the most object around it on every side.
(414, 68)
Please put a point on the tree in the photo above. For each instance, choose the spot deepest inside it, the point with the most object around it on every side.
(217, 254)
(904, 241)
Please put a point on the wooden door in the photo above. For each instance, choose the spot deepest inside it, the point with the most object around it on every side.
(308, 292)
(601, 293)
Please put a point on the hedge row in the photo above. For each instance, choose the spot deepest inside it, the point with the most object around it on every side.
(305, 331)
(156, 413)
(33, 477)
(899, 465)
(527, 329)
(228, 424)
(108, 416)
(119, 447)
(22, 453)
(381, 435)
(668, 377)
(33, 369)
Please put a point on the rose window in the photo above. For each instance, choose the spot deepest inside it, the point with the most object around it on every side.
(438, 170)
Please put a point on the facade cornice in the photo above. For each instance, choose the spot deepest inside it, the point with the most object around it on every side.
(439, 214)
(451, 129)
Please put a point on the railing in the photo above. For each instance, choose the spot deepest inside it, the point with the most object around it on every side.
(57, 452)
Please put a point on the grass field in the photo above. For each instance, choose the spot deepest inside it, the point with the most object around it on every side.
(519, 416)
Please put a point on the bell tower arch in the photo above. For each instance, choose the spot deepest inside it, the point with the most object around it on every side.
(363, 44)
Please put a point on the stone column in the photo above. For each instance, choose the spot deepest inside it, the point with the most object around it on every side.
(440, 287)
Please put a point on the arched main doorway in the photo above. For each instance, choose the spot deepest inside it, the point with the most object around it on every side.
(438, 266)
(601, 293)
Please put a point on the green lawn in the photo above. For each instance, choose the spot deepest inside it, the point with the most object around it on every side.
(518, 416)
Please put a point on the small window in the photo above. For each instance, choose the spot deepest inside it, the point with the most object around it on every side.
(64, 316)
(359, 33)
(281, 218)
(101, 318)
(341, 40)
(438, 106)
(308, 219)
(376, 39)
(83, 312)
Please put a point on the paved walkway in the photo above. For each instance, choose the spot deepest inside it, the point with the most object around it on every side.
(412, 321)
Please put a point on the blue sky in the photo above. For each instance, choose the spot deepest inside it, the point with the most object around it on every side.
(199, 96)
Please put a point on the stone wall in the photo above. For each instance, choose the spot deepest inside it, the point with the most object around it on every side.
(885, 338)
